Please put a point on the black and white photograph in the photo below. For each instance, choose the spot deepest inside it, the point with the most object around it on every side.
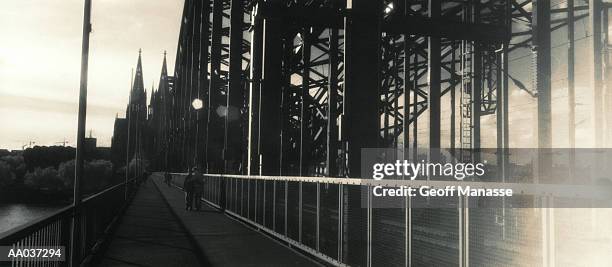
(367, 133)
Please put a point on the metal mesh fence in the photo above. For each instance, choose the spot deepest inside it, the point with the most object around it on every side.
(333, 220)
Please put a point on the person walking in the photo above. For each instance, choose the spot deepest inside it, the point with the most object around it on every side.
(188, 187)
(143, 178)
(168, 179)
(198, 187)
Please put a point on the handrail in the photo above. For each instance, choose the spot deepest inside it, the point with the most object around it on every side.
(22, 230)
(338, 221)
(96, 212)
(25, 229)
(554, 190)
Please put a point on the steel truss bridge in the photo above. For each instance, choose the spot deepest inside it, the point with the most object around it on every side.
(298, 88)
(292, 92)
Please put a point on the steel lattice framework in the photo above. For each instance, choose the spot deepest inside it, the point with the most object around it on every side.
(282, 106)
(302, 103)
(298, 88)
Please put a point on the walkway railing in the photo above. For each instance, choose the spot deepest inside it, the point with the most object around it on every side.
(335, 220)
(92, 220)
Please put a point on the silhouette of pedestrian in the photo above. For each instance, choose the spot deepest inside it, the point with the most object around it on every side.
(198, 187)
(168, 179)
(188, 186)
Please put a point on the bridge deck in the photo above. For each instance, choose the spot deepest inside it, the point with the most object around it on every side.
(156, 230)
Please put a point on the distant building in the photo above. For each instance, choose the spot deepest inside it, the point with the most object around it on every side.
(119, 142)
(90, 144)
(131, 130)
(4, 152)
(159, 120)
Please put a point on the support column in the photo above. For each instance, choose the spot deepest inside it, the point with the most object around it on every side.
(254, 93)
(203, 90)
(505, 121)
(595, 7)
(434, 71)
(500, 112)
(541, 41)
(194, 76)
(407, 87)
(607, 107)
(453, 105)
(362, 79)
(477, 85)
(571, 90)
(362, 66)
(505, 85)
(232, 152)
(332, 105)
(304, 108)
(216, 125)
(189, 88)
(415, 106)
(76, 233)
(270, 98)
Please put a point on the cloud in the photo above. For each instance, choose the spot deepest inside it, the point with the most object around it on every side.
(17, 103)
(40, 50)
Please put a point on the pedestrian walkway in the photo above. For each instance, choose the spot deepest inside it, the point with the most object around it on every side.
(156, 230)
(149, 235)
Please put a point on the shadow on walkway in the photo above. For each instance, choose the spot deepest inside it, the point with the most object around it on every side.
(150, 235)
(156, 230)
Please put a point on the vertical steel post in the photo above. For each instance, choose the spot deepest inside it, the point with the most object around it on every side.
(571, 91)
(476, 92)
(607, 71)
(232, 152)
(500, 115)
(434, 73)
(341, 223)
(505, 85)
(362, 62)
(190, 153)
(194, 77)
(460, 233)
(362, 80)
(595, 7)
(453, 90)
(75, 243)
(332, 102)
(464, 231)
(203, 88)
(504, 111)
(318, 224)
(415, 106)
(541, 41)
(304, 152)
(254, 92)
(304, 149)
(127, 153)
(215, 123)
(270, 99)
(407, 87)
(408, 229)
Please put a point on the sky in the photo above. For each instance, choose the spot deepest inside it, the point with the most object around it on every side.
(40, 48)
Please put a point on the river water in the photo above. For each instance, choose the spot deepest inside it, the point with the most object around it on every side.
(13, 215)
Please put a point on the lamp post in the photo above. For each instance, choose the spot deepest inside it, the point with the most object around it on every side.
(75, 244)
(197, 105)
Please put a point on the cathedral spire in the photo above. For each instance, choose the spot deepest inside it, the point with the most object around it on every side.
(152, 97)
(138, 86)
(163, 79)
(164, 71)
